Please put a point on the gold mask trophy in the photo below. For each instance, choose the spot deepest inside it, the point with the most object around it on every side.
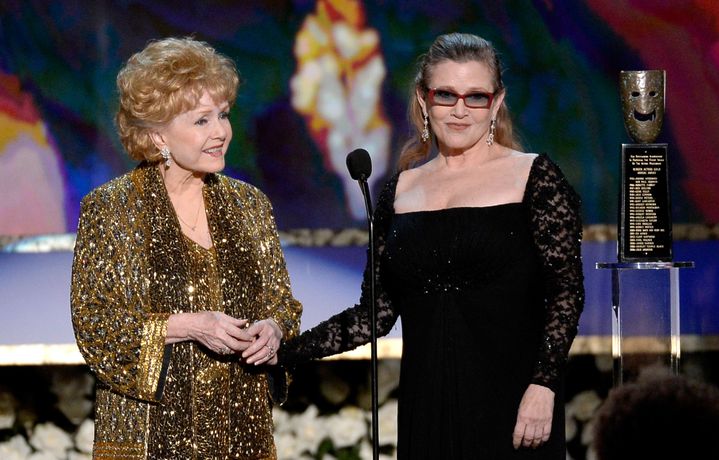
(645, 226)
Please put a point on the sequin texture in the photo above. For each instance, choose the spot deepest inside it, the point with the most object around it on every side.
(132, 269)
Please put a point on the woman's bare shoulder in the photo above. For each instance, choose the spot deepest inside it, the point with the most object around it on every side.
(409, 177)
(522, 156)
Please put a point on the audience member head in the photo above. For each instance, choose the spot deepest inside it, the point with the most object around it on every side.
(659, 416)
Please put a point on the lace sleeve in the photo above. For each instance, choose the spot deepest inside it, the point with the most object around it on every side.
(556, 225)
(351, 328)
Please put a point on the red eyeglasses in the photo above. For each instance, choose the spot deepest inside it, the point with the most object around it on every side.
(474, 100)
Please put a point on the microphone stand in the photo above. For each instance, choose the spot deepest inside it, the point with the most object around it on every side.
(373, 319)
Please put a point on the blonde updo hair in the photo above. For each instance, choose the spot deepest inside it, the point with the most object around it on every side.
(164, 80)
(455, 47)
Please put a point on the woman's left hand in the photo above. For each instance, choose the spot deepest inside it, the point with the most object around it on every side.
(267, 340)
(534, 418)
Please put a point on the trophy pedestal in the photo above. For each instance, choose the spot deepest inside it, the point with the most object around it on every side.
(645, 316)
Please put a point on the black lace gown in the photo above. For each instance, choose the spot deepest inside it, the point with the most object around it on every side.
(489, 300)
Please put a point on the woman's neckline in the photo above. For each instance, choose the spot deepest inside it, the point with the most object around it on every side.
(210, 249)
(525, 195)
(459, 208)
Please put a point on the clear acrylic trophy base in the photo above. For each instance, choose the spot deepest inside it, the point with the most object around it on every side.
(646, 327)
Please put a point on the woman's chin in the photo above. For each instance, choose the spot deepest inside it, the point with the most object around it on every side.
(212, 165)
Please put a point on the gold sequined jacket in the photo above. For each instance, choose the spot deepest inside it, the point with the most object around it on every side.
(132, 268)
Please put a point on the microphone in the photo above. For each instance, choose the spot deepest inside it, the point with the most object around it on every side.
(359, 165)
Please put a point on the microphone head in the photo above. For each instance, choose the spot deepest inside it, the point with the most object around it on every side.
(359, 164)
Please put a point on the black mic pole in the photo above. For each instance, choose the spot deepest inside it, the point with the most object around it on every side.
(360, 168)
(373, 320)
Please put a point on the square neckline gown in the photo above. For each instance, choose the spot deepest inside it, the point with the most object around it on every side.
(489, 299)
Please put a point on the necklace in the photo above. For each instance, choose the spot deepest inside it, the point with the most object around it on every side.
(197, 216)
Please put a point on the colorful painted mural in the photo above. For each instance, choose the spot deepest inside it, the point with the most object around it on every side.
(324, 77)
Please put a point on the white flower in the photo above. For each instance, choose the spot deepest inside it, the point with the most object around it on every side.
(45, 455)
(387, 415)
(85, 436)
(365, 452)
(7, 420)
(309, 428)
(287, 446)
(16, 448)
(347, 427)
(48, 438)
(583, 405)
(281, 420)
(72, 455)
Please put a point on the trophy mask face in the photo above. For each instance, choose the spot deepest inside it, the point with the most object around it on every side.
(643, 103)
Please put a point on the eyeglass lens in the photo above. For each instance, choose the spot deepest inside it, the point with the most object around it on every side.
(474, 100)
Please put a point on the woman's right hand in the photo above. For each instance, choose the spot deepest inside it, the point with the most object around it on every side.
(215, 330)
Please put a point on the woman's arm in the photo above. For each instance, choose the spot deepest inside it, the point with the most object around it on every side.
(121, 341)
(556, 225)
(352, 327)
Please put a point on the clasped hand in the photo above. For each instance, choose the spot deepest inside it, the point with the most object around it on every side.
(256, 342)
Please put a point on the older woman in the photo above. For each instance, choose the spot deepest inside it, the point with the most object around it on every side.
(478, 251)
(178, 272)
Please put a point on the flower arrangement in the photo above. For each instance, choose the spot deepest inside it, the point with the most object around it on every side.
(344, 435)
(47, 441)
(46, 412)
(47, 416)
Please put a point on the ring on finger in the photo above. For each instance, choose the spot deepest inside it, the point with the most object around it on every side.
(272, 350)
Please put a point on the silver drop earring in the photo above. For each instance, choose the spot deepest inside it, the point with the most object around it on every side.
(492, 128)
(425, 131)
(165, 152)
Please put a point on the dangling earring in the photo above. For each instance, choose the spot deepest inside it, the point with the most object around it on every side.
(165, 152)
(492, 128)
(425, 131)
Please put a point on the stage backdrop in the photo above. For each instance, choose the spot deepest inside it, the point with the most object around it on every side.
(325, 77)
